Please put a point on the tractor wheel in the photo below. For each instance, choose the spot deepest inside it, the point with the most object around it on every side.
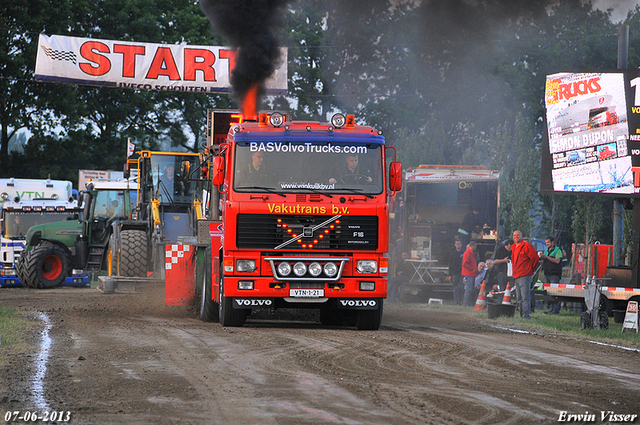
(370, 320)
(45, 266)
(208, 308)
(228, 315)
(133, 253)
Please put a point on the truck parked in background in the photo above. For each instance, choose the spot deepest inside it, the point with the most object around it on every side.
(292, 223)
(429, 218)
(12, 189)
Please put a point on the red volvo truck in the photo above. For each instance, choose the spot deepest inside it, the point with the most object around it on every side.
(296, 217)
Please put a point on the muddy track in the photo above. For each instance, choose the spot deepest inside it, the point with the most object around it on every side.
(127, 359)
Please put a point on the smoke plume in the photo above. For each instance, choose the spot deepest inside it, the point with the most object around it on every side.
(249, 27)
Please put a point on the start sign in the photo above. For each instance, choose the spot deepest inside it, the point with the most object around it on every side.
(146, 66)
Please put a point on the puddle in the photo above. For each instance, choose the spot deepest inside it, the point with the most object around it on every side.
(41, 365)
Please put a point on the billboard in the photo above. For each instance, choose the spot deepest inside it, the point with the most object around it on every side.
(145, 66)
(588, 133)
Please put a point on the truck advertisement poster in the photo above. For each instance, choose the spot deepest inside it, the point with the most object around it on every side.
(144, 66)
(588, 133)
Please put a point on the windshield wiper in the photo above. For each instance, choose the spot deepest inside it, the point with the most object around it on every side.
(268, 189)
(316, 191)
(356, 191)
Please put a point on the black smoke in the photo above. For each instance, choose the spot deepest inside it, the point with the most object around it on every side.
(249, 26)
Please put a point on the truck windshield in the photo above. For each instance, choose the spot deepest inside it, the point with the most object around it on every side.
(170, 176)
(17, 223)
(299, 167)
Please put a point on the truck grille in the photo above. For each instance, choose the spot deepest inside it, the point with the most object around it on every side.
(344, 233)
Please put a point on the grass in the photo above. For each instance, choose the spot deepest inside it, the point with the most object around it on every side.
(566, 323)
(14, 327)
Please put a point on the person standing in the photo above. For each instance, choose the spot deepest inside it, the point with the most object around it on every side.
(469, 273)
(552, 266)
(502, 257)
(455, 273)
(525, 261)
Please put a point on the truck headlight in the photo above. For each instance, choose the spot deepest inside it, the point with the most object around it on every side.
(330, 269)
(315, 269)
(367, 266)
(246, 266)
(299, 269)
(284, 269)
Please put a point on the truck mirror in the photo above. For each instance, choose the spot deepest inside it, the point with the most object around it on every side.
(395, 176)
(217, 175)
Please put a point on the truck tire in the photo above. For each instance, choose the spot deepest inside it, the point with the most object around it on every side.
(45, 266)
(133, 255)
(370, 320)
(228, 315)
(209, 309)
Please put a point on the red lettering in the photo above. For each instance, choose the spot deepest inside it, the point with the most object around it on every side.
(129, 54)
(228, 54)
(565, 91)
(199, 60)
(581, 87)
(570, 90)
(636, 176)
(163, 64)
(100, 64)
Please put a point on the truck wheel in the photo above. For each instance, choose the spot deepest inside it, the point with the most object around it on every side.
(370, 320)
(46, 266)
(22, 271)
(208, 308)
(228, 315)
(133, 253)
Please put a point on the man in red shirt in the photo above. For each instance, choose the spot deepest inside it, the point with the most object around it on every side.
(525, 262)
(469, 273)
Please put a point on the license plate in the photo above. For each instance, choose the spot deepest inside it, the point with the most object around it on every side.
(306, 293)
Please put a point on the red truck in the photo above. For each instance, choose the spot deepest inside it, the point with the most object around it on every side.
(297, 217)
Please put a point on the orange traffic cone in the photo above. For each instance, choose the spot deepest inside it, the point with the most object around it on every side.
(481, 302)
(506, 298)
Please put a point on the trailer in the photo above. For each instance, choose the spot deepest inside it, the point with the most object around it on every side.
(291, 223)
(435, 202)
(595, 263)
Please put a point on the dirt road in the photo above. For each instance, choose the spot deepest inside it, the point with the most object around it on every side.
(125, 358)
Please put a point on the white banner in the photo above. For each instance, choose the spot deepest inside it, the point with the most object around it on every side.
(145, 66)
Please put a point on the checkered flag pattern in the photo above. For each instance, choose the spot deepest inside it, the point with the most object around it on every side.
(60, 55)
(174, 252)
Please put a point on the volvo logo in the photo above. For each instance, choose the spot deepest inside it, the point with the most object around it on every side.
(253, 302)
(359, 303)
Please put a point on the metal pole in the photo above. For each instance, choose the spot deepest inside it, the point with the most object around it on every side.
(618, 208)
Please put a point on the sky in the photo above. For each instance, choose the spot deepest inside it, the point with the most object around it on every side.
(620, 7)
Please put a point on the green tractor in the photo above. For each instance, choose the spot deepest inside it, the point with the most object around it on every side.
(53, 250)
(126, 224)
